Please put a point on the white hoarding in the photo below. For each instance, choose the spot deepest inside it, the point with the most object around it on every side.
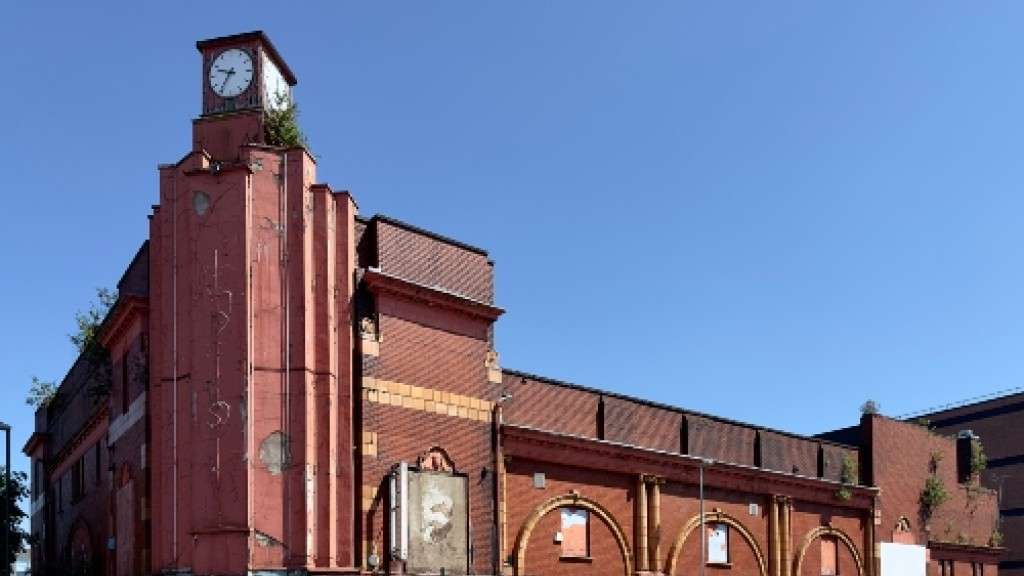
(903, 560)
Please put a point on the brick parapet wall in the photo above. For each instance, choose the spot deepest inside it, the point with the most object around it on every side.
(903, 455)
(566, 409)
(720, 440)
(540, 405)
(640, 425)
(426, 259)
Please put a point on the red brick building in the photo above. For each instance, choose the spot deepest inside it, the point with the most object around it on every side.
(997, 424)
(958, 531)
(293, 388)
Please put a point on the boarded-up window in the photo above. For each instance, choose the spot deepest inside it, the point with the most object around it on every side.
(126, 544)
(718, 543)
(829, 557)
(575, 533)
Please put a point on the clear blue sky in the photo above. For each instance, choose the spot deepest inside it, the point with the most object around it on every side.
(767, 211)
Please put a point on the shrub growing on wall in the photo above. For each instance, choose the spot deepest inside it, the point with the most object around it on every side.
(978, 459)
(42, 393)
(933, 495)
(848, 477)
(870, 407)
(281, 125)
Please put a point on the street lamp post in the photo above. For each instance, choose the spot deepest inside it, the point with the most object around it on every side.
(703, 531)
(7, 498)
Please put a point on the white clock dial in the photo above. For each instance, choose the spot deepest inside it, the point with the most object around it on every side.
(278, 92)
(231, 73)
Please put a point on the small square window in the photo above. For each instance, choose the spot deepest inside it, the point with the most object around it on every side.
(718, 543)
(575, 533)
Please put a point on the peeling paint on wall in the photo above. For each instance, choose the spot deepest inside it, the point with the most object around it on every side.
(264, 540)
(275, 452)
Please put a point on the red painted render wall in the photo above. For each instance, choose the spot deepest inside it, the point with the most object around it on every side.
(262, 317)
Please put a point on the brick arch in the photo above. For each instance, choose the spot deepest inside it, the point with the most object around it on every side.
(80, 546)
(574, 500)
(827, 531)
(719, 518)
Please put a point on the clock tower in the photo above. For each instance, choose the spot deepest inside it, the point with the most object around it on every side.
(243, 72)
(243, 77)
(252, 267)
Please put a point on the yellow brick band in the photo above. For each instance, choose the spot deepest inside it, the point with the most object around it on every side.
(369, 496)
(369, 443)
(426, 400)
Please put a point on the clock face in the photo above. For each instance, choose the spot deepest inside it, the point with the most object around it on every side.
(231, 73)
(278, 92)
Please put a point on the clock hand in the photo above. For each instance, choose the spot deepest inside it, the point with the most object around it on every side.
(226, 78)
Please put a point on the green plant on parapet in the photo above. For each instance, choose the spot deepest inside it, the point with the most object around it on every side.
(847, 477)
(281, 124)
(933, 495)
(870, 407)
(924, 423)
(86, 340)
(973, 491)
(88, 322)
(40, 393)
(978, 459)
(996, 539)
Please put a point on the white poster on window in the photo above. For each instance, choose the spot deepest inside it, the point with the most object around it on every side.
(718, 543)
(903, 560)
